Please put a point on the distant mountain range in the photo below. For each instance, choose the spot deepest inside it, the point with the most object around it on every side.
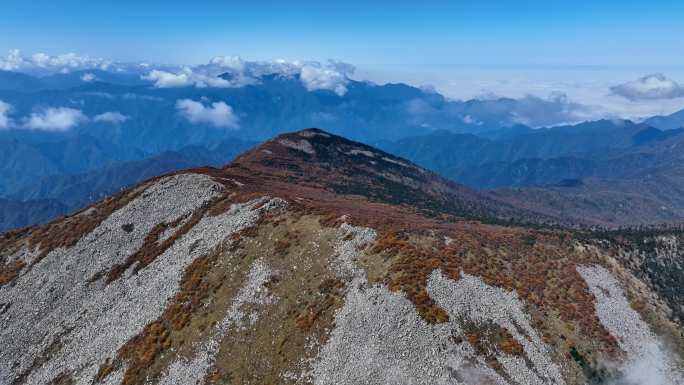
(538, 157)
(606, 172)
(669, 122)
(41, 199)
(123, 129)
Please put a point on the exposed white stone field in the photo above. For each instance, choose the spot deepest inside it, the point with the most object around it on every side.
(65, 324)
(379, 337)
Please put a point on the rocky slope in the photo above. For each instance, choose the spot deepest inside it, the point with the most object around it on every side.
(316, 260)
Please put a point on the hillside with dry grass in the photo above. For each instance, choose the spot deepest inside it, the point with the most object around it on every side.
(313, 259)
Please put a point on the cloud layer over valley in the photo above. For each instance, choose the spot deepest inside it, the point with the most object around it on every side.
(55, 119)
(5, 110)
(485, 98)
(233, 71)
(217, 114)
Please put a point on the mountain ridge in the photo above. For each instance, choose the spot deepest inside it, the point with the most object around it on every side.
(264, 270)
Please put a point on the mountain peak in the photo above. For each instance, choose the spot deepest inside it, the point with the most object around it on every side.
(318, 147)
(318, 159)
(280, 266)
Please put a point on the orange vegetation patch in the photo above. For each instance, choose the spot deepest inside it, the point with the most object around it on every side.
(509, 344)
(539, 267)
(104, 371)
(10, 271)
(141, 351)
(330, 288)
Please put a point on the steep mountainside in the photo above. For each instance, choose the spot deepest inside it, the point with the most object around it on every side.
(316, 260)
(645, 199)
(643, 186)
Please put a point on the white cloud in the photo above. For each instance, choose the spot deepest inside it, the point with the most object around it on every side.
(589, 87)
(470, 120)
(112, 117)
(649, 87)
(217, 114)
(132, 96)
(332, 75)
(88, 77)
(533, 111)
(234, 63)
(203, 81)
(12, 62)
(317, 77)
(555, 110)
(232, 71)
(5, 110)
(55, 119)
(201, 76)
(163, 79)
(42, 63)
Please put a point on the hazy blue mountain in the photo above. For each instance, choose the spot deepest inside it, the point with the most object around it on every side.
(669, 122)
(15, 81)
(151, 122)
(274, 105)
(14, 214)
(39, 200)
(24, 158)
(480, 142)
(648, 197)
(539, 157)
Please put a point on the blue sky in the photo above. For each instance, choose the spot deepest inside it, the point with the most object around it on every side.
(464, 49)
(380, 33)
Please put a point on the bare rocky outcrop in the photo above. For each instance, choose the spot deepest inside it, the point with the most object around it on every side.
(380, 338)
